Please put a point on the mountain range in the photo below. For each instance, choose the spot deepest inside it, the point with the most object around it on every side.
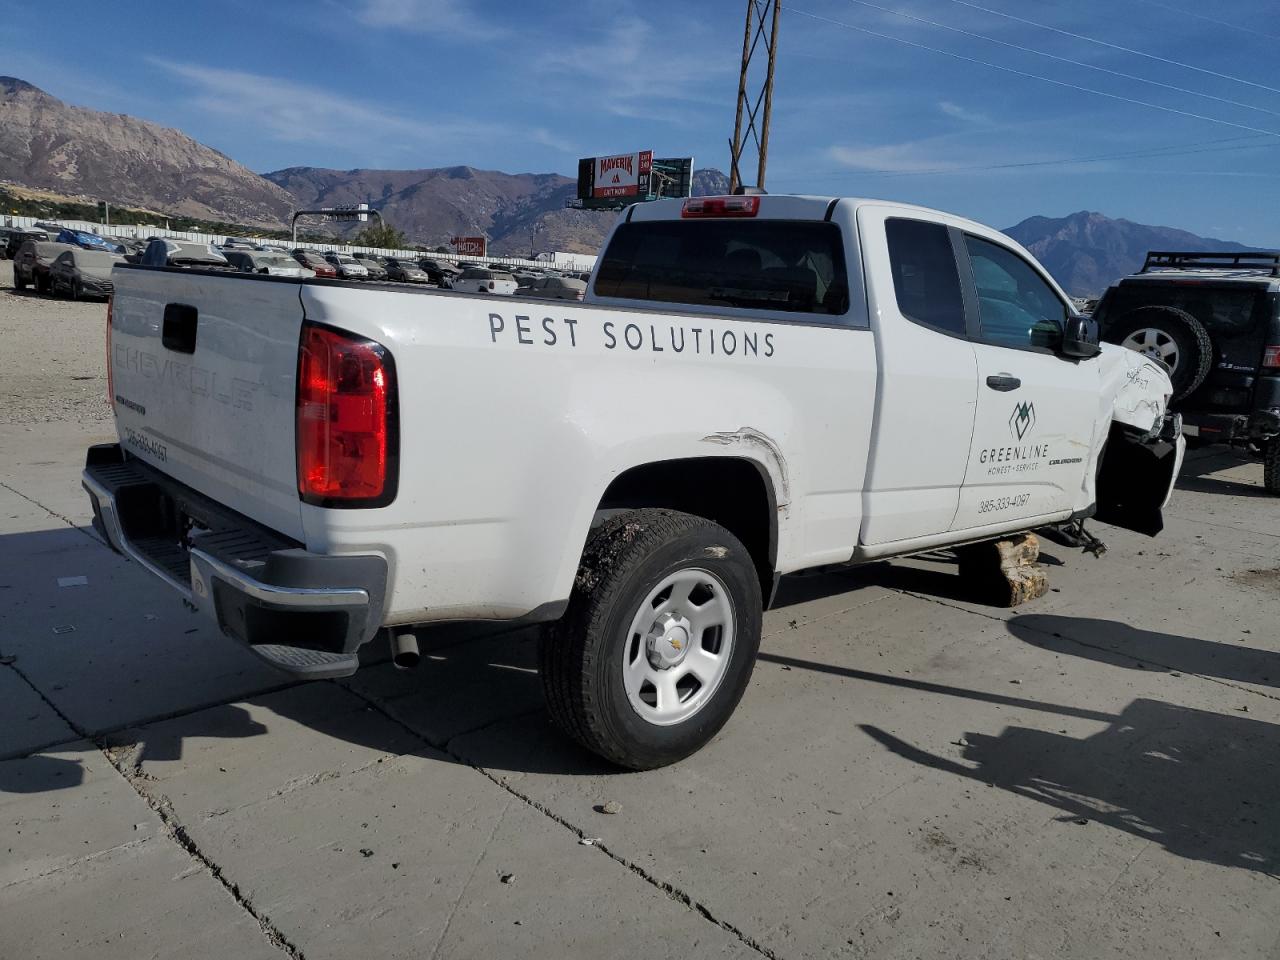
(1086, 251)
(51, 145)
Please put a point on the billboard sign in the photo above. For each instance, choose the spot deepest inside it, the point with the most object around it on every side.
(347, 211)
(469, 246)
(624, 175)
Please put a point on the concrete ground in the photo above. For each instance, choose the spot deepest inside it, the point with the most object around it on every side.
(911, 774)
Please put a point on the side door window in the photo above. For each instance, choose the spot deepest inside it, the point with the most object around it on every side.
(1016, 307)
(925, 280)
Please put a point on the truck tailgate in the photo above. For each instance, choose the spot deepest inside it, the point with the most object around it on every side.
(203, 371)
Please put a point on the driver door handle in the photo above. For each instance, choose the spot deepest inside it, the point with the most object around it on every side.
(1003, 382)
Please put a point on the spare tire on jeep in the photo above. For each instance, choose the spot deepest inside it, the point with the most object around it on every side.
(1169, 335)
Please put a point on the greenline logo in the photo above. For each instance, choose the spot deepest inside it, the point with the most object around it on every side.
(1022, 420)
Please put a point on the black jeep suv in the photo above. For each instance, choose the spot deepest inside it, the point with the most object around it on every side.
(1214, 320)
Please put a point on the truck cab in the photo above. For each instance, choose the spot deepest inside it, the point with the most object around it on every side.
(752, 386)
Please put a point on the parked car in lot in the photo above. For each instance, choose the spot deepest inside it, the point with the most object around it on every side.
(480, 280)
(556, 288)
(129, 246)
(1212, 319)
(316, 263)
(439, 270)
(406, 271)
(87, 240)
(266, 262)
(83, 273)
(32, 263)
(19, 237)
(5, 234)
(163, 252)
(376, 271)
(347, 266)
(754, 386)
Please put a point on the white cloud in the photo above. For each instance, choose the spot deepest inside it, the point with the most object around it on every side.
(452, 18)
(957, 112)
(630, 70)
(290, 112)
(911, 157)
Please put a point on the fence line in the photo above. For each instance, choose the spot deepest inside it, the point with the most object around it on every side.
(561, 261)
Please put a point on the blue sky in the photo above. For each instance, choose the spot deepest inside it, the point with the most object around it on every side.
(872, 98)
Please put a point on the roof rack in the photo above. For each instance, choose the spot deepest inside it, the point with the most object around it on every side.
(1252, 260)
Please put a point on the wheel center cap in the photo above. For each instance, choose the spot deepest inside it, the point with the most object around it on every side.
(668, 641)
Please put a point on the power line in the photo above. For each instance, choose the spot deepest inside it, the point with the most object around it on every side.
(1115, 46)
(1052, 56)
(1034, 76)
(1201, 16)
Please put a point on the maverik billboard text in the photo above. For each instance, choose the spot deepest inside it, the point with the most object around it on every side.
(624, 175)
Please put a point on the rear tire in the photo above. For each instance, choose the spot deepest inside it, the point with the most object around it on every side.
(1271, 466)
(1171, 335)
(18, 282)
(659, 641)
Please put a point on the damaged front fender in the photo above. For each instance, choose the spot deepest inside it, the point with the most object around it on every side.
(1137, 474)
(1144, 448)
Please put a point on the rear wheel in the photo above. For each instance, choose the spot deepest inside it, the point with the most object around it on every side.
(1271, 465)
(19, 282)
(1172, 336)
(659, 641)
(42, 284)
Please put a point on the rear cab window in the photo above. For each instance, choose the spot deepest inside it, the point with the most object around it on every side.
(775, 266)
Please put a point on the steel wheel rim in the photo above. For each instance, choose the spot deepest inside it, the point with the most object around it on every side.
(1156, 344)
(678, 648)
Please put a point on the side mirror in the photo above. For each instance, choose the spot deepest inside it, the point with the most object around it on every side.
(1080, 338)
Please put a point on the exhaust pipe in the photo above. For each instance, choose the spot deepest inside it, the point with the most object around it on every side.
(404, 651)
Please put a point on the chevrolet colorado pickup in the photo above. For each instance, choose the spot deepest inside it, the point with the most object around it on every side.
(755, 385)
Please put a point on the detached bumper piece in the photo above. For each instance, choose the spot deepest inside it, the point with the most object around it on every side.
(306, 613)
(1137, 474)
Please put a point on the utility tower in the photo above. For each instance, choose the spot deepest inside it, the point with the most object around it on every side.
(760, 40)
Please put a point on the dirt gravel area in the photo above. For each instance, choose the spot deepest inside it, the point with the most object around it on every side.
(59, 374)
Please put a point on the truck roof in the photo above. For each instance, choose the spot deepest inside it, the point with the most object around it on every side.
(803, 207)
(786, 206)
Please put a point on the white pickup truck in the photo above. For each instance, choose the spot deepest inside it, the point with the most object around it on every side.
(755, 385)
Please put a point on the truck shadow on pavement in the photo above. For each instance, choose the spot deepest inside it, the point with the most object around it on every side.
(1120, 645)
(1203, 785)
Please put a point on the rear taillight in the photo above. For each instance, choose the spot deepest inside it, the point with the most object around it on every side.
(491, 285)
(1271, 356)
(720, 207)
(347, 434)
(111, 393)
